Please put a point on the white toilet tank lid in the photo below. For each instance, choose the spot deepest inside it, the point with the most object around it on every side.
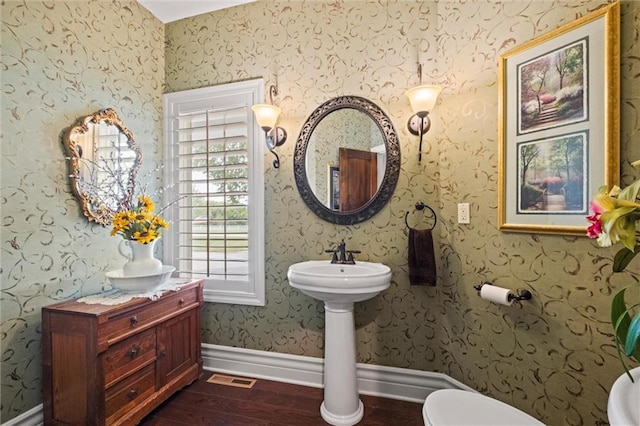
(455, 407)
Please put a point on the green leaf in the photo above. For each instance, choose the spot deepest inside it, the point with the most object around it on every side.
(622, 323)
(619, 317)
(624, 364)
(624, 257)
(631, 343)
(630, 193)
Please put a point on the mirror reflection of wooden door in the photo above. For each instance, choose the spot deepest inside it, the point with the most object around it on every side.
(358, 178)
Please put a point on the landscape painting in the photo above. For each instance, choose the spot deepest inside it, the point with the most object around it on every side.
(552, 175)
(559, 130)
(552, 89)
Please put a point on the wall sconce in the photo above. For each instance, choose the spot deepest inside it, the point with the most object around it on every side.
(267, 116)
(422, 98)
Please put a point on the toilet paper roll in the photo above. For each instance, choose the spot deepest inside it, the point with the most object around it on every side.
(496, 294)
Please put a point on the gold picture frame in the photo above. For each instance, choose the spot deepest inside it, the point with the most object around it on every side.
(559, 98)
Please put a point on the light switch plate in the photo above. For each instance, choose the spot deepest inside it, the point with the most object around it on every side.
(463, 213)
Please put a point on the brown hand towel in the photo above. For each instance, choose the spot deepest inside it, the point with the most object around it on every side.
(422, 262)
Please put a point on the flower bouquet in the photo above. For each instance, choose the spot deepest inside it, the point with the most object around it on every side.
(140, 227)
(139, 223)
(614, 218)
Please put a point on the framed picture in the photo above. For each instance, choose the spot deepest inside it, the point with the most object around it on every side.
(559, 125)
(333, 171)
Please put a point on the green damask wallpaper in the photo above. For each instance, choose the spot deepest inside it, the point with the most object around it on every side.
(552, 357)
(60, 61)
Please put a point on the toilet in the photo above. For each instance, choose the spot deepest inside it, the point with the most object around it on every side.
(456, 407)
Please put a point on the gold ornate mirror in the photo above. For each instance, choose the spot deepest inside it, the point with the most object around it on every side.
(103, 162)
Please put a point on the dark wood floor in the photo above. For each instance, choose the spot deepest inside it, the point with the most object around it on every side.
(268, 403)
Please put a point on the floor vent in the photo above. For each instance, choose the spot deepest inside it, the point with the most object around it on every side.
(238, 382)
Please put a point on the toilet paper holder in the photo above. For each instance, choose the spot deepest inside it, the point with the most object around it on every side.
(520, 295)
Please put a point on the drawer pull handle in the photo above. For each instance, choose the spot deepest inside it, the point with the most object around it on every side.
(133, 352)
(133, 321)
(133, 393)
(162, 354)
(181, 302)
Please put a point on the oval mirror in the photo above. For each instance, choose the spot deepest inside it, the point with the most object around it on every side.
(347, 160)
(103, 162)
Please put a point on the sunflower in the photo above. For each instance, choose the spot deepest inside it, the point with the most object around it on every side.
(146, 203)
(139, 223)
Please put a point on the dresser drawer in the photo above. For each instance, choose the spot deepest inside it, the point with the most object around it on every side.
(126, 324)
(128, 393)
(129, 355)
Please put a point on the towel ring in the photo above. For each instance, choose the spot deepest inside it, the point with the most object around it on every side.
(421, 206)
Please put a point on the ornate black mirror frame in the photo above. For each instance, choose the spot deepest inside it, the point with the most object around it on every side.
(392, 169)
(98, 203)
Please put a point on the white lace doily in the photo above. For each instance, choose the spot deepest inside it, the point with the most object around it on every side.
(116, 297)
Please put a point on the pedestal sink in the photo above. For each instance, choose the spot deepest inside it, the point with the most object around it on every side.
(339, 286)
(623, 406)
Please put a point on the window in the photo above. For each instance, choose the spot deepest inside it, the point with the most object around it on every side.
(214, 167)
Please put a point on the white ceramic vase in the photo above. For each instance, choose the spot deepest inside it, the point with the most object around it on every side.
(141, 261)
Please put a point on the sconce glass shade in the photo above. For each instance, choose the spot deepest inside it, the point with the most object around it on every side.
(266, 115)
(423, 98)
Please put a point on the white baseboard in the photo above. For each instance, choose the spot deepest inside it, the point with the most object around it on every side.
(32, 417)
(388, 382)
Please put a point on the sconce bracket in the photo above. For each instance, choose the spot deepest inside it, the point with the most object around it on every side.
(274, 138)
(280, 136)
(413, 125)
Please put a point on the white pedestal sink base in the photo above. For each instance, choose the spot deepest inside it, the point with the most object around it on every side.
(341, 405)
(339, 286)
(332, 419)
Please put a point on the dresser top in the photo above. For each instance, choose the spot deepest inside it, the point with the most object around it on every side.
(73, 306)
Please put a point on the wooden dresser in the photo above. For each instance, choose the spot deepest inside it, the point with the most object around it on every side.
(112, 365)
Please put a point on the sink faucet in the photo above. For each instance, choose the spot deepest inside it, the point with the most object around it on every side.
(343, 256)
